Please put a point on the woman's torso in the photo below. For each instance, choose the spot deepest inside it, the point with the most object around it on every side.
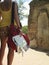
(5, 15)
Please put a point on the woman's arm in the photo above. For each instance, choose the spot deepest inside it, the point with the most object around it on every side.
(16, 16)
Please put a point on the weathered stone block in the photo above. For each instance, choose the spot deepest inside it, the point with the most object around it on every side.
(38, 24)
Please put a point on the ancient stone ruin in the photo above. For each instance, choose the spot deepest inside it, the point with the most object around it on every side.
(38, 24)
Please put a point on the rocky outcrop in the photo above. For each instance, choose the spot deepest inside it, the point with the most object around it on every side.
(38, 23)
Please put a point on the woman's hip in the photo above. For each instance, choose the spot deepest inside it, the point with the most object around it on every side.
(4, 31)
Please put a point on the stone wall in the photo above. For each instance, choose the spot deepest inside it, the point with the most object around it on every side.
(38, 24)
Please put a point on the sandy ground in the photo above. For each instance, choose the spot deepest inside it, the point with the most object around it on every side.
(31, 57)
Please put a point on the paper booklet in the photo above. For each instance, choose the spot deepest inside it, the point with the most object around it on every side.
(20, 41)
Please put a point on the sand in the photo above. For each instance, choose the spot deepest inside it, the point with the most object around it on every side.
(31, 57)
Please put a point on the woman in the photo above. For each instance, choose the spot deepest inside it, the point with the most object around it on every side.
(5, 21)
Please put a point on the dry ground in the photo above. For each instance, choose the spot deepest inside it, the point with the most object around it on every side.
(31, 57)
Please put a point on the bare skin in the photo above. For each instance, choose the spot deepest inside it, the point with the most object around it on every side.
(4, 39)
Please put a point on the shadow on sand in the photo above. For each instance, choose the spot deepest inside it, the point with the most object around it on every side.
(42, 50)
